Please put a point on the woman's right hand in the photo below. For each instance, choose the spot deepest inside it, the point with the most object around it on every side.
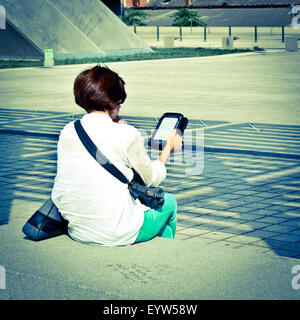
(174, 141)
(174, 144)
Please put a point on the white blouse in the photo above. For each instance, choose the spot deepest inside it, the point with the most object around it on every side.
(98, 206)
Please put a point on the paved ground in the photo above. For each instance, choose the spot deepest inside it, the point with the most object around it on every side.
(256, 87)
(238, 198)
(245, 203)
(238, 219)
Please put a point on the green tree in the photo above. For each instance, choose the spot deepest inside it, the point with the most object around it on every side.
(134, 17)
(183, 17)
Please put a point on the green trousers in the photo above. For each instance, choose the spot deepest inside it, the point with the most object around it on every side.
(161, 222)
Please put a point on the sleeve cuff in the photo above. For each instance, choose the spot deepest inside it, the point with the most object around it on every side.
(161, 172)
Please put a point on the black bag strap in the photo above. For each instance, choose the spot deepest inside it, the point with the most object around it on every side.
(97, 154)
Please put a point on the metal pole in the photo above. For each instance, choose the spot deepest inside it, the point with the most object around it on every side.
(229, 33)
(157, 33)
(255, 33)
(180, 32)
(134, 28)
(204, 33)
(282, 34)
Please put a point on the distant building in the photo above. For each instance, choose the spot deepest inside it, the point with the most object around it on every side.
(116, 5)
(135, 3)
(220, 3)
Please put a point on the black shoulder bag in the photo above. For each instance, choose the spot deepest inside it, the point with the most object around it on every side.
(45, 223)
(152, 197)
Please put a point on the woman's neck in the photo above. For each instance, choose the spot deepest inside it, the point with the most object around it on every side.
(101, 112)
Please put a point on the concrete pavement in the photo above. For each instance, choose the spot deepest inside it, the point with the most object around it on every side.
(161, 269)
(238, 221)
(255, 87)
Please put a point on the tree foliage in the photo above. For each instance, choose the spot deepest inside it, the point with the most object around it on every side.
(134, 17)
(183, 17)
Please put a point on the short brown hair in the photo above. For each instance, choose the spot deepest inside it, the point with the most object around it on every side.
(99, 89)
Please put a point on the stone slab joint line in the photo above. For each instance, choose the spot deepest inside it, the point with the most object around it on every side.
(204, 123)
(22, 274)
(42, 118)
(217, 126)
(251, 125)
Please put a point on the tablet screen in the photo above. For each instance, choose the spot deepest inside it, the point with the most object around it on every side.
(165, 128)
